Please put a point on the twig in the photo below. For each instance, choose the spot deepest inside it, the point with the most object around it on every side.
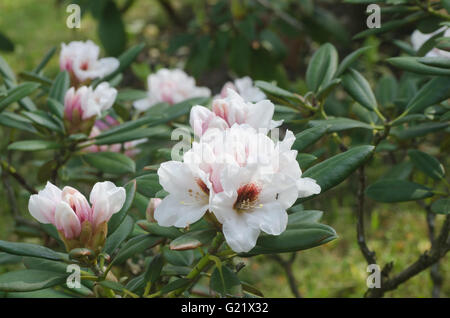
(439, 249)
(360, 232)
(435, 274)
(13, 172)
(287, 266)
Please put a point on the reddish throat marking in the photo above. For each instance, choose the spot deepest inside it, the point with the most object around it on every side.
(247, 197)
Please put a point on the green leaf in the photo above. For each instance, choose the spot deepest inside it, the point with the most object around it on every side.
(350, 59)
(115, 239)
(44, 264)
(41, 118)
(154, 269)
(386, 90)
(29, 280)
(433, 92)
(148, 185)
(418, 130)
(441, 206)
(117, 219)
(6, 259)
(334, 170)
(176, 284)
(225, 281)
(274, 91)
(435, 61)
(27, 249)
(305, 160)
(393, 190)
(412, 64)
(308, 137)
(359, 89)
(14, 120)
(111, 29)
(192, 240)
(322, 67)
(158, 230)
(134, 246)
(339, 124)
(59, 88)
(305, 216)
(118, 287)
(110, 162)
(5, 43)
(45, 60)
(427, 164)
(17, 93)
(34, 145)
(298, 237)
(179, 258)
(134, 135)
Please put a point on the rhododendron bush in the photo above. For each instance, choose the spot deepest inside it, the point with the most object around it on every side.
(169, 191)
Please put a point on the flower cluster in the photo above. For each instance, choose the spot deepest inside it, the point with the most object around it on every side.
(170, 86)
(235, 174)
(79, 223)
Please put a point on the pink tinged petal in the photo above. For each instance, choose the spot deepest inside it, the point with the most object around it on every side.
(42, 205)
(106, 199)
(307, 187)
(174, 211)
(77, 203)
(67, 221)
(239, 235)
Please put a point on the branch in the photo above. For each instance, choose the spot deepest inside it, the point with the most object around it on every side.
(287, 266)
(360, 232)
(439, 248)
(13, 172)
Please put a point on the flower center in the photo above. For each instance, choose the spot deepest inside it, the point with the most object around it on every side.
(247, 198)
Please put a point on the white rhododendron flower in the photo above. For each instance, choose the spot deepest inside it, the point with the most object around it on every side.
(170, 86)
(233, 109)
(245, 88)
(86, 102)
(241, 176)
(418, 39)
(68, 209)
(81, 60)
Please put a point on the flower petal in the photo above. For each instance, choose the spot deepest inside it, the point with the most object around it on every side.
(67, 221)
(307, 187)
(239, 235)
(106, 199)
(174, 212)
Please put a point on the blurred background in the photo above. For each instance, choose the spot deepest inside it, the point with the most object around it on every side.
(219, 40)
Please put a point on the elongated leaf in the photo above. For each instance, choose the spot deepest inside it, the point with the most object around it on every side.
(299, 237)
(120, 235)
(412, 64)
(179, 258)
(43, 119)
(134, 134)
(359, 89)
(136, 245)
(339, 124)
(435, 61)
(427, 164)
(154, 269)
(179, 283)
(393, 190)
(148, 185)
(14, 120)
(60, 86)
(305, 160)
(418, 130)
(192, 240)
(111, 29)
(433, 92)
(225, 281)
(29, 280)
(17, 93)
(441, 206)
(305, 216)
(45, 60)
(322, 67)
(308, 137)
(27, 249)
(34, 145)
(158, 230)
(110, 162)
(350, 59)
(334, 170)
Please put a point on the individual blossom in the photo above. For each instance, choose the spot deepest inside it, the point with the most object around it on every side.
(79, 223)
(245, 88)
(418, 39)
(129, 148)
(233, 109)
(83, 105)
(81, 60)
(241, 176)
(170, 86)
